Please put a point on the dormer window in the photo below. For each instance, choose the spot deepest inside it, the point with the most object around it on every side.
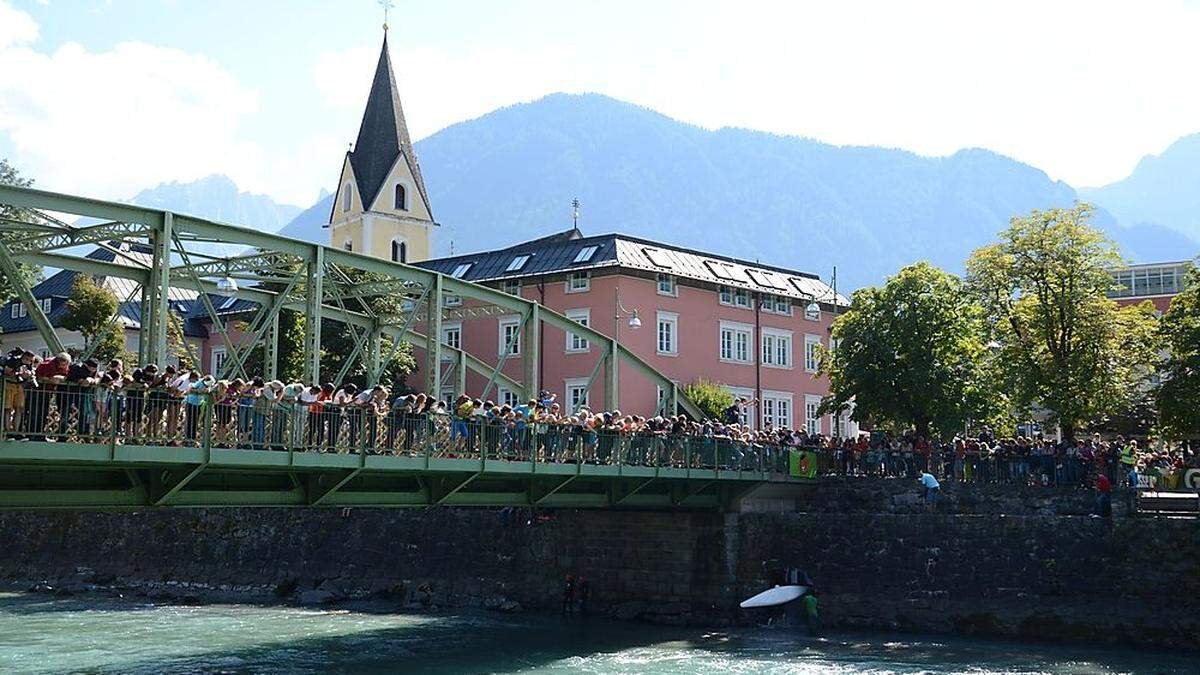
(461, 270)
(399, 251)
(401, 201)
(585, 254)
(517, 263)
(346, 198)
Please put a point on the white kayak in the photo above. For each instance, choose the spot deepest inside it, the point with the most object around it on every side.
(773, 597)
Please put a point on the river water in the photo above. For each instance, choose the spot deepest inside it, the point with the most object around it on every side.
(46, 634)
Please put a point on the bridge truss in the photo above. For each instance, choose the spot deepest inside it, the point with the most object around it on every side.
(159, 250)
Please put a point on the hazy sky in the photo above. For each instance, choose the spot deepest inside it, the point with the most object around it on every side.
(107, 97)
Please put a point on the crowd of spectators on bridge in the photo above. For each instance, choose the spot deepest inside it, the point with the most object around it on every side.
(60, 398)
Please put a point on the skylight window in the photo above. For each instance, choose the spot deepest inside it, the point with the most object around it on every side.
(461, 270)
(585, 254)
(657, 257)
(227, 303)
(764, 279)
(721, 270)
(517, 263)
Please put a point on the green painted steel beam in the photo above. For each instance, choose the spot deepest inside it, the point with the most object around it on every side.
(165, 222)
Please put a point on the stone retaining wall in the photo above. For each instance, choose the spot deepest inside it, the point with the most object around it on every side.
(1037, 574)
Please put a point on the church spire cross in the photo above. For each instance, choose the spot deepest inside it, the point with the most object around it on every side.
(386, 5)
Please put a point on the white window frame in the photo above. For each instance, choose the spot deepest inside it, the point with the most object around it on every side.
(452, 328)
(733, 296)
(461, 269)
(348, 245)
(812, 423)
(213, 366)
(511, 286)
(777, 409)
(776, 348)
(772, 303)
(811, 316)
(812, 359)
(508, 397)
(502, 325)
(570, 387)
(17, 310)
(746, 346)
(576, 343)
(47, 305)
(671, 321)
(671, 286)
(451, 300)
(573, 284)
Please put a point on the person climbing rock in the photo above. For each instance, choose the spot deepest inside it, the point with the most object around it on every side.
(568, 597)
(585, 592)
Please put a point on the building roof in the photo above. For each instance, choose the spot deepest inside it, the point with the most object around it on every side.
(569, 251)
(383, 136)
(184, 302)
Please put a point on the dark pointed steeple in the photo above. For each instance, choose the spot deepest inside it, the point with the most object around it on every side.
(383, 136)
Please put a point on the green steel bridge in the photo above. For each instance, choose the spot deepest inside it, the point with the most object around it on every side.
(161, 251)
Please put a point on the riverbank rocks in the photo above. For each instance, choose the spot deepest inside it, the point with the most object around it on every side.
(1026, 562)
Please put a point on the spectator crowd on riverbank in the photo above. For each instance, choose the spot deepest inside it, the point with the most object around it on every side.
(62, 399)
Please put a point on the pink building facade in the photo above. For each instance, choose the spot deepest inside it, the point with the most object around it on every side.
(746, 326)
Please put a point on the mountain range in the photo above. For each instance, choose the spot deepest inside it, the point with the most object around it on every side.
(510, 175)
(217, 197)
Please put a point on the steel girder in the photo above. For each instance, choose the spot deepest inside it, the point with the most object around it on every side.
(161, 227)
(112, 476)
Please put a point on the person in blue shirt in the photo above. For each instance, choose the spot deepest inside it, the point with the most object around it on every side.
(932, 487)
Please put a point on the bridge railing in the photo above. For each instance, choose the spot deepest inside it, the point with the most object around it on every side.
(62, 412)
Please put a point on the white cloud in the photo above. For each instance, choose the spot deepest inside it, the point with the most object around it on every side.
(111, 123)
(16, 27)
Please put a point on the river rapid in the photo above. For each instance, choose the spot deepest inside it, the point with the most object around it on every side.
(48, 634)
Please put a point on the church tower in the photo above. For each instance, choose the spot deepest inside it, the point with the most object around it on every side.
(381, 207)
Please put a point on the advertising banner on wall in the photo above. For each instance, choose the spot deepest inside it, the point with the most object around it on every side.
(803, 464)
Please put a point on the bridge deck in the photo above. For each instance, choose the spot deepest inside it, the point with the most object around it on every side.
(40, 474)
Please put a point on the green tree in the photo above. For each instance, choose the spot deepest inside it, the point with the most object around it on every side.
(710, 397)
(1178, 394)
(90, 310)
(337, 341)
(912, 354)
(10, 176)
(1064, 347)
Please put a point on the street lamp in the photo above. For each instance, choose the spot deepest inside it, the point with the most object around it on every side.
(622, 312)
(227, 286)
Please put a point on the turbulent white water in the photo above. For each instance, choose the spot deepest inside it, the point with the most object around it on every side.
(43, 634)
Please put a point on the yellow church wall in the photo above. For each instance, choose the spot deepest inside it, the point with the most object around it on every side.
(346, 181)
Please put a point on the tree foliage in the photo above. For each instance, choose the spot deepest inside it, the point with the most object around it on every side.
(911, 353)
(1064, 346)
(90, 310)
(1178, 394)
(10, 176)
(710, 397)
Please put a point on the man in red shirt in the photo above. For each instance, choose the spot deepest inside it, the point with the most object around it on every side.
(49, 374)
(1103, 498)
